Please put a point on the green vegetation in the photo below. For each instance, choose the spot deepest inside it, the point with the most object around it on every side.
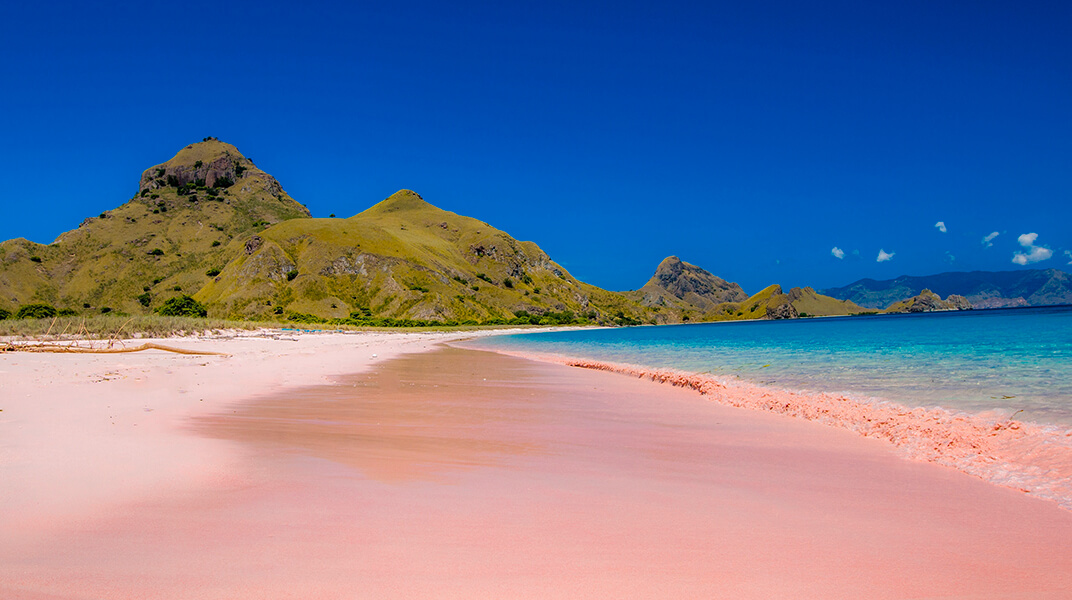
(36, 311)
(35, 259)
(402, 262)
(4, 314)
(182, 306)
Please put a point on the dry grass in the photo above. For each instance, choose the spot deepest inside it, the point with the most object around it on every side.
(118, 326)
(106, 327)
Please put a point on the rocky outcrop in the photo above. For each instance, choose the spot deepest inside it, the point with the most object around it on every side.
(690, 284)
(928, 301)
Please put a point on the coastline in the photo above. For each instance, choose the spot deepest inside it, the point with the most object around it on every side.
(307, 467)
(84, 430)
(1032, 458)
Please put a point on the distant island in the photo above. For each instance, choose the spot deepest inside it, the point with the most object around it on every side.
(209, 233)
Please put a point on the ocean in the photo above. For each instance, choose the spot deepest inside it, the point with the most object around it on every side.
(1009, 361)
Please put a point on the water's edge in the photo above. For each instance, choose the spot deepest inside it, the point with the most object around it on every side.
(1031, 458)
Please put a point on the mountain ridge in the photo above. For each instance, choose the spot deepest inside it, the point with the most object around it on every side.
(209, 224)
(982, 289)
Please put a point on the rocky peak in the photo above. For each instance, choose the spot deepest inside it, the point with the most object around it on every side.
(212, 164)
(681, 279)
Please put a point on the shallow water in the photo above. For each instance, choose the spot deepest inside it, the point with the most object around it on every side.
(1007, 361)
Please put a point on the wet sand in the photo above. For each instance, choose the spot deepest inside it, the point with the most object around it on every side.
(465, 474)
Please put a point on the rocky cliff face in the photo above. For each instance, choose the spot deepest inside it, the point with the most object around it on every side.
(689, 283)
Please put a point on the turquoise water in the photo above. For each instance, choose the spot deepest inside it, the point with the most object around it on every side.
(995, 360)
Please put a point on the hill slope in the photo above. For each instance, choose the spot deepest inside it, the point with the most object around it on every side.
(191, 214)
(401, 258)
(209, 223)
(983, 289)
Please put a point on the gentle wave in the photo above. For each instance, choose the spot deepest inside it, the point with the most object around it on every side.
(1034, 459)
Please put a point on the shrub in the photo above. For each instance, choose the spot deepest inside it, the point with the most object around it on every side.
(304, 318)
(105, 310)
(144, 299)
(4, 314)
(157, 280)
(291, 275)
(508, 282)
(35, 259)
(156, 252)
(212, 272)
(177, 288)
(85, 305)
(238, 170)
(278, 310)
(67, 312)
(197, 165)
(223, 182)
(159, 171)
(36, 311)
(182, 306)
(215, 243)
(484, 277)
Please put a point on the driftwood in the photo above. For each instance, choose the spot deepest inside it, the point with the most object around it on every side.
(62, 348)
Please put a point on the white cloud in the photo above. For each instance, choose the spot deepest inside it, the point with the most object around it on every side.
(941, 226)
(883, 256)
(1068, 253)
(837, 252)
(1034, 253)
(988, 241)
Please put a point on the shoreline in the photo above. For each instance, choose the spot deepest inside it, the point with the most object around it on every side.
(1032, 458)
(83, 430)
(397, 465)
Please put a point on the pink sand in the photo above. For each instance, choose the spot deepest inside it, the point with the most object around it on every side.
(463, 474)
(1031, 458)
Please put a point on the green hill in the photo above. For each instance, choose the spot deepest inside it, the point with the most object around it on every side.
(191, 214)
(210, 224)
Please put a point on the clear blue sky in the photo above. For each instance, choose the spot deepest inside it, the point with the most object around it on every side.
(750, 138)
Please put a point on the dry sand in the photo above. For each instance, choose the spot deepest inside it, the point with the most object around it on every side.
(310, 469)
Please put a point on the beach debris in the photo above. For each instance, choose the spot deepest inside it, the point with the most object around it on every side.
(73, 348)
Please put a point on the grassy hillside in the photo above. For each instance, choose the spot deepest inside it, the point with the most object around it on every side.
(191, 214)
(401, 258)
(210, 224)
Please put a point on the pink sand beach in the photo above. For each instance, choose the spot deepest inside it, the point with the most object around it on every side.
(394, 466)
